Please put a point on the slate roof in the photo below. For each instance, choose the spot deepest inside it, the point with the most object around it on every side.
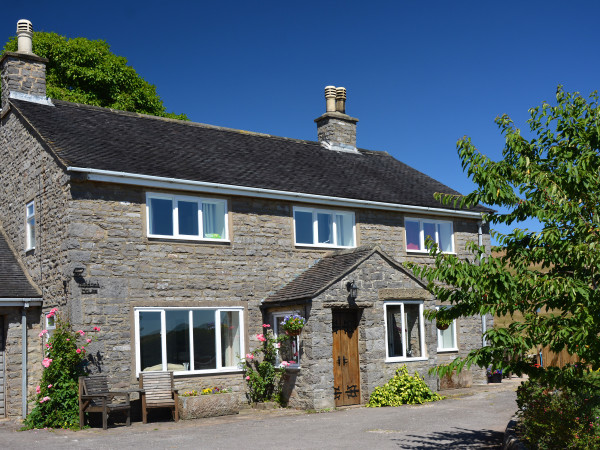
(322, 274)
(13, 282)
(99, 138)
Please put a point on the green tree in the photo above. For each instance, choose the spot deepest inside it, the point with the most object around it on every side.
(84, 71)
(553, 176)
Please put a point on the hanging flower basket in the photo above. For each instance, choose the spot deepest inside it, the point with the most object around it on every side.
(442, 324)
(293, 324)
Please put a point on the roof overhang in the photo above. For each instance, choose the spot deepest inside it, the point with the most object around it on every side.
(109, 176)
(22, 302)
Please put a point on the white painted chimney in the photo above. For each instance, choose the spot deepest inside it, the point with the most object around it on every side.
(24, 36)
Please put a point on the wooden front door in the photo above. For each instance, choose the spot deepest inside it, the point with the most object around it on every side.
(346, 372)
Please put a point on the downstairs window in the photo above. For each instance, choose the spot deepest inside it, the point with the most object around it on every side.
(188, 340)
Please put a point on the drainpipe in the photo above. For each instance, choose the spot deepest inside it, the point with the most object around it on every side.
(483, 319)
(24, 359)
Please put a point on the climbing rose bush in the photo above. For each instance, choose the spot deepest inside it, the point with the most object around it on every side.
(56, 398)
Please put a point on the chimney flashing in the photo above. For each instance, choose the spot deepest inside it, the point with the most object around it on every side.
(30, 98)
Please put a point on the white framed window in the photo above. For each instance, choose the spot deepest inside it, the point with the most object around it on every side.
(50, 322)
(447, 338)
(184, 217)
(405, 331)
(30, 226)
(189, 340)
(440, 231)
(324, 228)
(289, 349)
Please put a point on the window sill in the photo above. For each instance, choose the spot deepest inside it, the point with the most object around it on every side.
(182, 373)
(425, 253)
(447, 350)
(188, 240)
(321, 246)
(395, 360)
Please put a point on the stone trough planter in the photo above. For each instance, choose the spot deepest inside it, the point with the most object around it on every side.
(208, 406)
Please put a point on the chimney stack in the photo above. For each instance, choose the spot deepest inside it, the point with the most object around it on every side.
(336, 129)
(22, 73)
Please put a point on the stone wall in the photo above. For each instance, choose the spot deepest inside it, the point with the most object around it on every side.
(29, 173)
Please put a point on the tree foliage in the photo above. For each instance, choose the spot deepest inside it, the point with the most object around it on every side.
(84, 71)
(552, 177)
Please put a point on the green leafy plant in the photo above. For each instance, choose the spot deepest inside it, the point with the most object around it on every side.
(402, 389)
(56, 399)
(547, 280)
(560, 418)
(293, 324)
(84, 71)
(263, 374)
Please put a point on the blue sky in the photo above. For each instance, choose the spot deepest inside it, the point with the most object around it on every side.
(419, 74)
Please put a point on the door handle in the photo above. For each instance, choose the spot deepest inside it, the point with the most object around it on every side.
(338, 360)
(345, 361)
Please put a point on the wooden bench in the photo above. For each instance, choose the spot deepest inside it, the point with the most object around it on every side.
(158, 391)
(94, 396)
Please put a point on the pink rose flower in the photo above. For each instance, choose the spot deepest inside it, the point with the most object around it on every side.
(278, 345)
(88, 340)
(45, 399)
(78, 350)
(37, 390)
(284, 364)
(80, 332)
(50, 386)
(46, 362)
(68, 339)
(266, 325)
(249, 356)
(261, 337)
(43, 333)
(96, 328)
(247, 378)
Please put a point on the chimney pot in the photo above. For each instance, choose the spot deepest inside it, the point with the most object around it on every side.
(330, 94)
(340, 100)
(24, 36)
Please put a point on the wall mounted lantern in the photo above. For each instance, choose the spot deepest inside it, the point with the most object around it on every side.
(352, 289)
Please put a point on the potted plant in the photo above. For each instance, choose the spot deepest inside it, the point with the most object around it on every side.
(494, 375)
(292, 324)
(442, 324)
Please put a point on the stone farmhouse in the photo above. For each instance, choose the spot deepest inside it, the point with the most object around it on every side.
(179, 240)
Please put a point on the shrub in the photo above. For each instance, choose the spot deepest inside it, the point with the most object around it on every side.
(560, 418)
(263, 375)
(403, 389)
(56, 400)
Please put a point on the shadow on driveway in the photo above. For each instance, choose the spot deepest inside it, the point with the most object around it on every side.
(453, 438)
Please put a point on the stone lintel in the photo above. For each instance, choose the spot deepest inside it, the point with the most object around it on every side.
(25, 56)
(392, 294)
(336, 115)
(347, 305)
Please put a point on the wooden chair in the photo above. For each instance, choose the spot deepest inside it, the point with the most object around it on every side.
(94, 396)
(158, 391)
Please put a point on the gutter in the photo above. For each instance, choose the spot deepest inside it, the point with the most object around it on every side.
(110, 176)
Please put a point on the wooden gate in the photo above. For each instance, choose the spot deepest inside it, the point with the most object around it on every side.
(2, 389)
(346, 371)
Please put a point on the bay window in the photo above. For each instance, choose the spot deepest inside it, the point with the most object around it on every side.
(185, 340)
(184, 217)
(324, 228)
(440, 231)
(405, 332)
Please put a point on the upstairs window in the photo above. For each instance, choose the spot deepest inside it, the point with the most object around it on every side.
(324, 228)
(183, 217)
(30, 226)
(440, 231)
